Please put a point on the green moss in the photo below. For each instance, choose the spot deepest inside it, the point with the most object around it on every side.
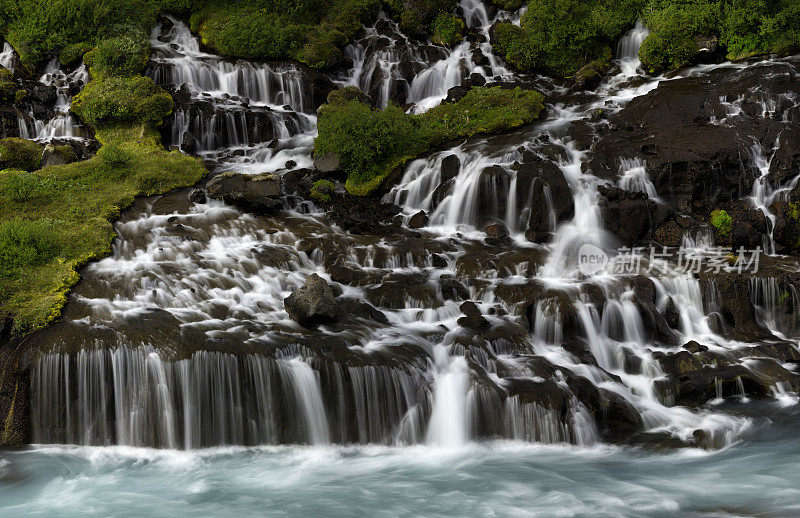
(124, 56)
(372, 143)
(19, 153)
(447, 30)
(114, 100)
(722, 222)
(322, 190)
(73, 53)
(416, 16)
(56, 219)
(561, 36)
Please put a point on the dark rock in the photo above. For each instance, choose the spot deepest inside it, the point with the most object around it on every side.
(258, 193)
(197, 196)
(327, 163)
(418, 220)
(451, 166)
(452, 289)
(313, 303)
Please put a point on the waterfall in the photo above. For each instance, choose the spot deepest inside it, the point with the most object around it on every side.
(7, 56)
(449, 423)
(633, 177)
(628, 49)
(307, 389)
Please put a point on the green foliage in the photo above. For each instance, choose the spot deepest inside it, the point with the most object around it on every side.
(39, 29)
(56, 219)
(311, 31)
(416, 16)
(674, 29)
(26, 243)
(371, 143)
(744, 28)
(722, 222)
(124, 56)
(561, 36)
(508, 5)
(18, 153)
(447, 30)
(322, 190)
(73, 53)
(113, 100)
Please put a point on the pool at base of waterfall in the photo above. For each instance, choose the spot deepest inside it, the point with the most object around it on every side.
(756, 477)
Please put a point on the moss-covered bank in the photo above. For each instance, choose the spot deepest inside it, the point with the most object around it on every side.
(371, 143)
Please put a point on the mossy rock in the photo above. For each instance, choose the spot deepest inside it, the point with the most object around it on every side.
(124, 56)
(322, 190)
(447, 30)
(73, 54)
(18, 153)
(120, 100)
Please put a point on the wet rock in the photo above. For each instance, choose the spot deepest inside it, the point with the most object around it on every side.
(327, 163)
(541, 186)
(451, 166)
(188, 143)
(631, 216)
(615, 417)
(197, 196)
(396, 289)
(358, 214)
(438, 261)
(313, 303)
(473, 318)
(452, 289)
(57, 155)
(496, 231)
(258, 193)
(347, 273)
(418, 220)
(735, 305)
(352, 308)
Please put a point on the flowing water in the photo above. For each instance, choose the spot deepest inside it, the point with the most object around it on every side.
(179, 340)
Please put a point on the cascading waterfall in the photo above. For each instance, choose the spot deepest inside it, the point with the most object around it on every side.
(7, 56)
(209, 277)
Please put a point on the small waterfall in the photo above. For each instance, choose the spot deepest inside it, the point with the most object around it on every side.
(777, 305)
(179, 62)
(309, 394)
(63, 124)
(7, 56)
(628, 49)
(633, 177)
(449, 423)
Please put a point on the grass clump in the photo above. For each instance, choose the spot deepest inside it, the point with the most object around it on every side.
(54, 220)
(17, 153)
(722, 222)
(372, 143)
(561, 36)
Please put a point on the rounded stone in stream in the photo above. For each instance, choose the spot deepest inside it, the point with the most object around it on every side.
(473, 319)
(418, 220)
(260, 193)
(451, 166)
(313, 303)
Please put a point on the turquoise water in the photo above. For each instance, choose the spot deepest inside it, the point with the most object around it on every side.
(756, 477)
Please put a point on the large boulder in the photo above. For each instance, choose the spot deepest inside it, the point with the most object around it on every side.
(258, 193)
(313, 303)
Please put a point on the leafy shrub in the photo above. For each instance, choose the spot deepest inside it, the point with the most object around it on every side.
(73, 53)
(447, 30)
(416, 15)
(38, 29)
(561, 36)
(113, 100)
(125, 55)
(673, 34)
(18, 153)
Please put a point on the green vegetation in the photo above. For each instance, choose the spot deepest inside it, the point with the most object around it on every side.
(42, 29)
(17, 153)
(108, 100)
(54, 220)
(124, 55)
(310, 31)
(322, 190)
(743, 27)
(561, 36)
(372, 143)
(447, 30)
(416, 16)
(722, 222)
